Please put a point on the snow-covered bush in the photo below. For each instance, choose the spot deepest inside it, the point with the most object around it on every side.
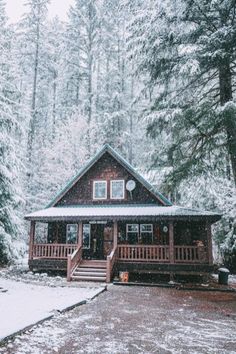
(10, 250)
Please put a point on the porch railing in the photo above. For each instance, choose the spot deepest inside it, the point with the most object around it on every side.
(53, 250)
(190, 254)
(143, 253)
(73, 260)
(140, 253)
(111, 260)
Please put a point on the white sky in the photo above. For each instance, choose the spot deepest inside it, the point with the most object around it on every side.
(15, 9)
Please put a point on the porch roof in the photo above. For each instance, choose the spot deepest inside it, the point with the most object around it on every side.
(118, 212)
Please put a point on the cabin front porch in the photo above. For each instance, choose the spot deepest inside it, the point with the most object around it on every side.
(100, 249)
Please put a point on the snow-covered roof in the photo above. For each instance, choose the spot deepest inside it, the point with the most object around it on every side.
(118, 212)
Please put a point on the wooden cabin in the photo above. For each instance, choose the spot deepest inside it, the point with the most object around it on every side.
(108, 218)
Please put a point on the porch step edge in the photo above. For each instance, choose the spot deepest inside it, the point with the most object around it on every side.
(85, 271)
(89, 274)
(94, 266)
(92, 278)
(94, 261)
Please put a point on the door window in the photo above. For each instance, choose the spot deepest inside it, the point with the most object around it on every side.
(86, 235)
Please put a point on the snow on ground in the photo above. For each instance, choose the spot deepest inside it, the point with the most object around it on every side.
(138, 320)
(21, 273)
(23, 304)
(232, 279)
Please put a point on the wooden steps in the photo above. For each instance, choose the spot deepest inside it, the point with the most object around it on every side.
(90, 270)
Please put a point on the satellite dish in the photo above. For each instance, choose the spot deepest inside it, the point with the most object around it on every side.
(130, 185)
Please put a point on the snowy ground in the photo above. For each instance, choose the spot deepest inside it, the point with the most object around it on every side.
(22, 274)
(23, 303)
(138, 320)
(232, 279)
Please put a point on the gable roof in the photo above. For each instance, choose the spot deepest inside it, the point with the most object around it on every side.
(108, 149)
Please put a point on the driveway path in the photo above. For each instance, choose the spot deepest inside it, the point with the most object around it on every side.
(138, 320)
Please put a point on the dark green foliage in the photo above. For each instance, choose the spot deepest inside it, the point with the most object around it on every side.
(186, 50)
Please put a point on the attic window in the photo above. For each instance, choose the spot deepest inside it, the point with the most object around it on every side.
(117, 189)
(100, 190)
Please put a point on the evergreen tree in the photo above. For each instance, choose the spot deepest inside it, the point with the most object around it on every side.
(36, 75)
(187, 52)
(10, 192)
(82, 44)
(32, 35)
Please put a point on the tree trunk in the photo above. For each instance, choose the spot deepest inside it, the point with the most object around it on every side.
(90, 68)
(77, 90)
(225, 79)
(33, 104)
(54, 103)
(131, 117)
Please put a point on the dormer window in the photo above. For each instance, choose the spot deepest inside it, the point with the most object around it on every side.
(117, 189)
(100, 190)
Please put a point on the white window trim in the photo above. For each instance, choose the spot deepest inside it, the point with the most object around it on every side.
(67, 232)
(86, 248)
(117, 180)
(146, 225)
(127, 225)
(150, 232)
(94, 183)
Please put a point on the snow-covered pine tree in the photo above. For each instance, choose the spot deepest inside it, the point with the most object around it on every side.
(186, 52)
(33, 58)
(189, 70)
(54, 51)
(82, 46)
(113, 87)
(95, 60)
(112, 97)
(10, 184)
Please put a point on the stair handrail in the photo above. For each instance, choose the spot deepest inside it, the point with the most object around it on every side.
(73, 260)
(111, 260)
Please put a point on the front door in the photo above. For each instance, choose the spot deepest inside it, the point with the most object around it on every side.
(97, 241)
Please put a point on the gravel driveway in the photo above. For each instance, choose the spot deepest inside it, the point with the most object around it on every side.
(138, 320)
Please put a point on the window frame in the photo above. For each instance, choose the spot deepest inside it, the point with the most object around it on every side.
(96, 182)
(127, 226)
(151, 232)
(86, 248)
(76, 240)
(117, 180)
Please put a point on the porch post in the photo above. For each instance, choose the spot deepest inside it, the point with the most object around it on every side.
(115, 234)
(171, 242)
(80, 234)
(32, 237)
(209, 243)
